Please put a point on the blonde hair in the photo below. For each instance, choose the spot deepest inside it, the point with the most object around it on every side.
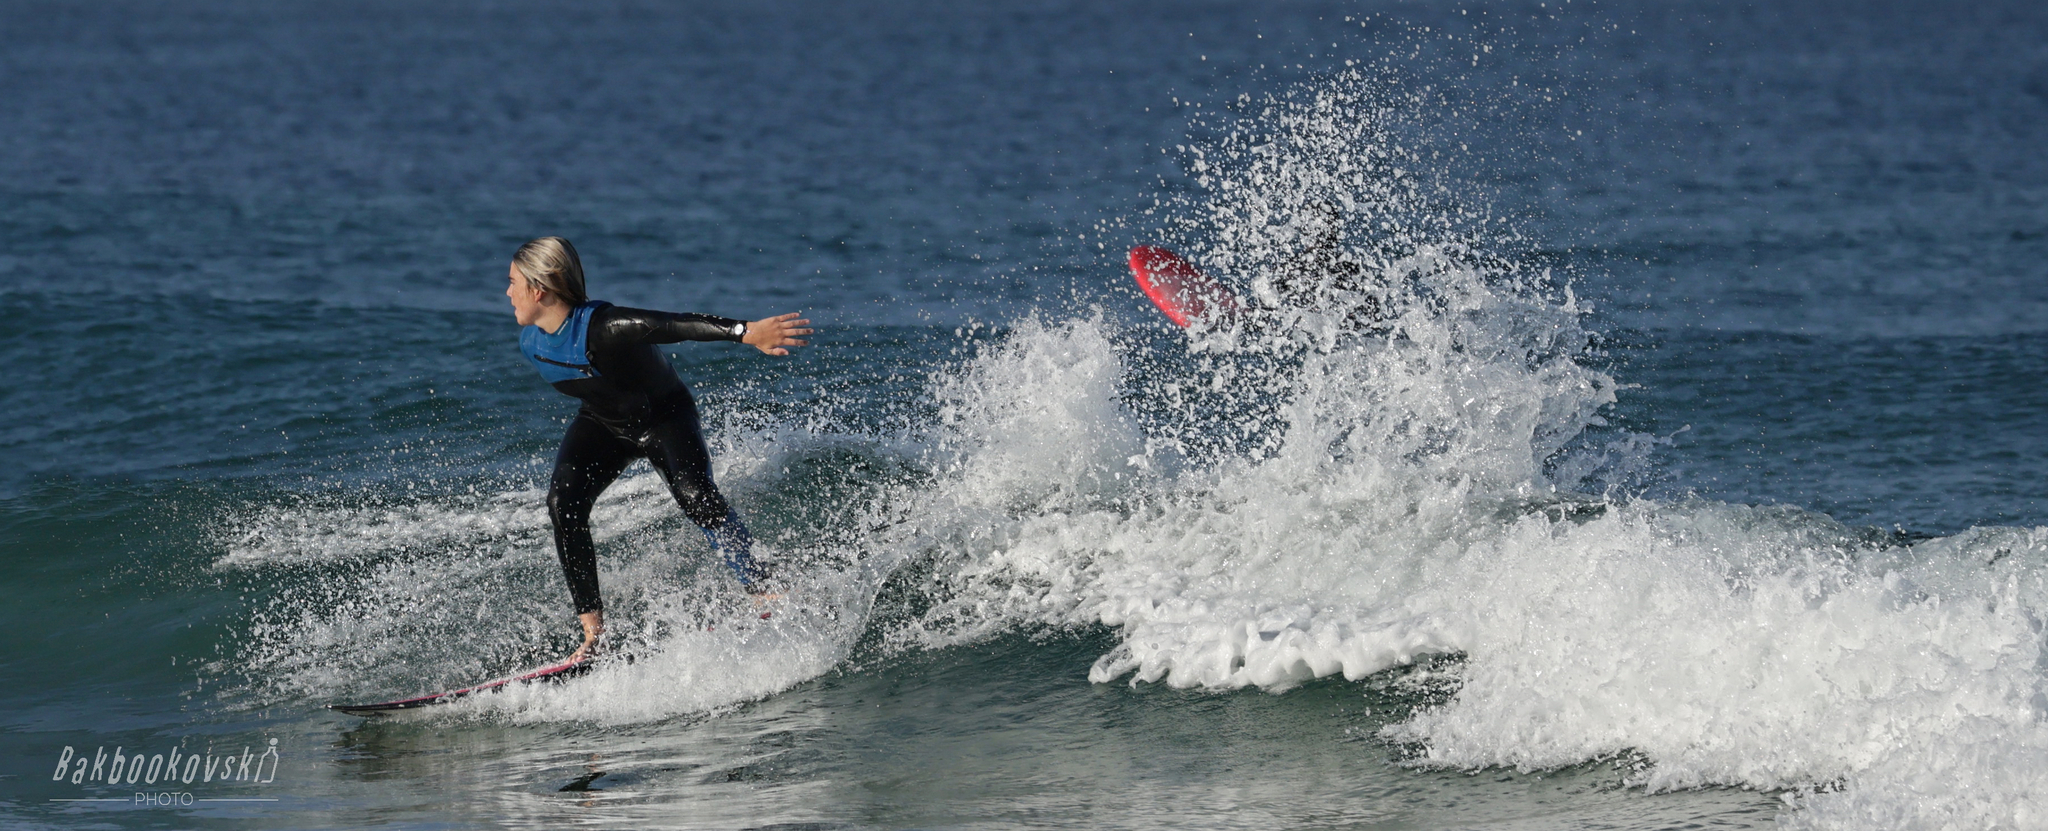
(550, 264)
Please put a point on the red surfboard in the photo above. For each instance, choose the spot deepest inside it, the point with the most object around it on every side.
(558, 672)
(1180, 289)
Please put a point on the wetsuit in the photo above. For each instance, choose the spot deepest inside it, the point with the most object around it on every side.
(1311, 278)
(634, 407)
(1319, 275)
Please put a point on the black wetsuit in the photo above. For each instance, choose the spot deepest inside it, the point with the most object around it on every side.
(634, 407)
(1311, 278)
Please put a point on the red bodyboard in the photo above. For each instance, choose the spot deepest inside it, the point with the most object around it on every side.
(1180, 289)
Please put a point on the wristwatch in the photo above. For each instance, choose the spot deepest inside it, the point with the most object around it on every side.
(739, 330)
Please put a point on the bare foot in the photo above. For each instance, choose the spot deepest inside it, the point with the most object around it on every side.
(593, 630)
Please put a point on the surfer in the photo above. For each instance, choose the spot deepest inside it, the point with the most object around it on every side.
(1318, 275)
(634, 407)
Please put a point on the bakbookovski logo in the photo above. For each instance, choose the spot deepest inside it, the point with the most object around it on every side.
(165, 770)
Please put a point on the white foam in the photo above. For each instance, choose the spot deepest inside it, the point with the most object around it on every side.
(1411, 495)
(707, 663)
(1981, 773)
(443, 591)
(1721, 644)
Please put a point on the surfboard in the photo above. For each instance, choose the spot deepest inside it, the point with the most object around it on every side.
(1181, 290)
(548, 674)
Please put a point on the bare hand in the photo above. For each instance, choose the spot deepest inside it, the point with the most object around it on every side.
(770, 335)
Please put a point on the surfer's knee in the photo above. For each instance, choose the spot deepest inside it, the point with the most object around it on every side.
(566, 506)
(558, 506)
(700, 502)
(708, 511)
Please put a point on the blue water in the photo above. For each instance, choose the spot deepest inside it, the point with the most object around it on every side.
(1699, 487)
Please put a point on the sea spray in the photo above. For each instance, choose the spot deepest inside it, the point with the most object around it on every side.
(365, 597)
(1313, 493)
(1331, 447)
(1415, 485)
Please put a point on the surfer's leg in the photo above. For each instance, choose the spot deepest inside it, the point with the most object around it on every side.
(590, 459)
(676, 448)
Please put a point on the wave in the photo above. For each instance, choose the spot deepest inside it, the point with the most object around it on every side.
(371, 598)
(1311, 495)
(1312, 492)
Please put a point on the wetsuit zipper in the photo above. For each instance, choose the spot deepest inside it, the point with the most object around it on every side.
(586, 369)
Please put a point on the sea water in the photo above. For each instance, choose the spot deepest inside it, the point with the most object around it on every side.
(1683, 473)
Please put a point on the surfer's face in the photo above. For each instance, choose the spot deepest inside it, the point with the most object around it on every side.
(526, 300)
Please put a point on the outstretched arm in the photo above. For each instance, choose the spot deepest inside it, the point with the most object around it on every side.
(772, 335)
(620, 325)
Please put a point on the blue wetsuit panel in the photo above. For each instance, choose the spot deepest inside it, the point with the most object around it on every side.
(563, 355)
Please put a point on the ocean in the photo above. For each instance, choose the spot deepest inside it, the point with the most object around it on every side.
(1687, 475)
